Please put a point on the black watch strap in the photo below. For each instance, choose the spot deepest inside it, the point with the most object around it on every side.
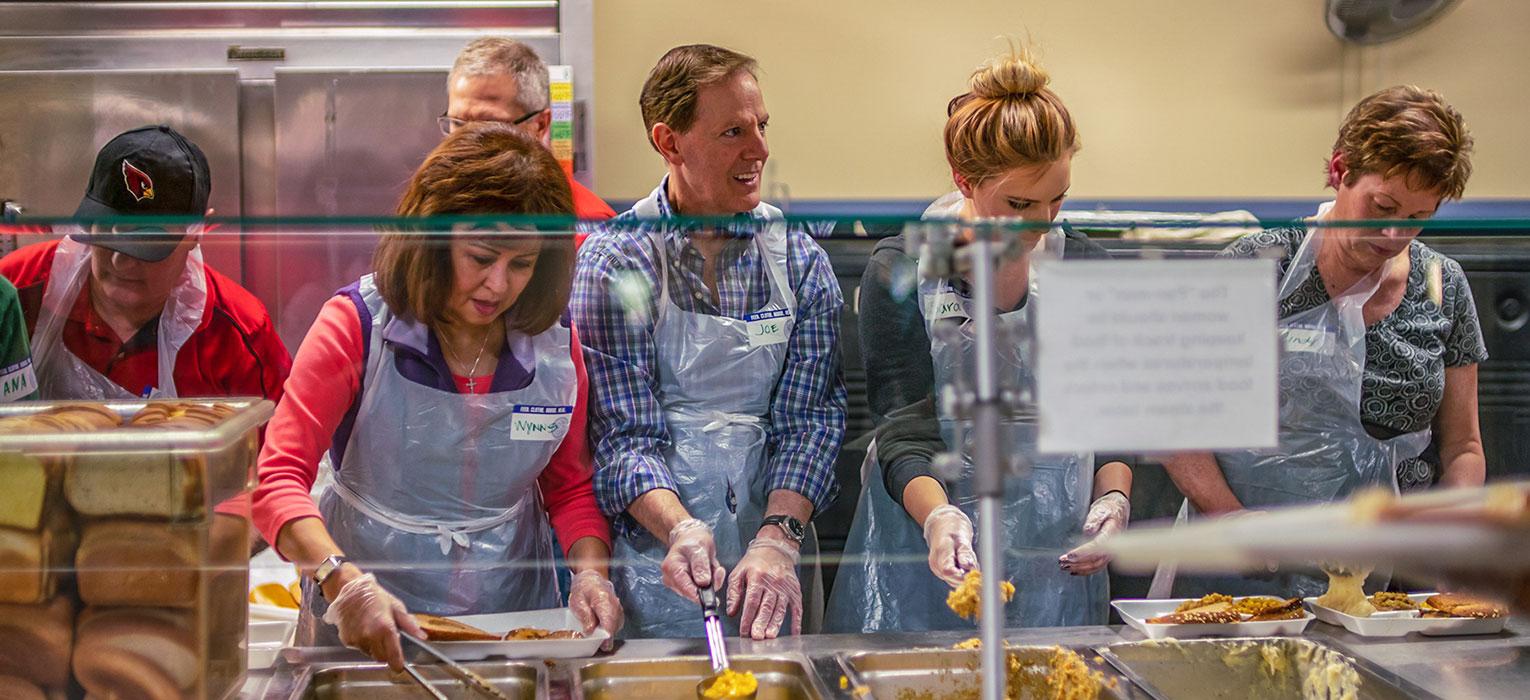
(794, 528)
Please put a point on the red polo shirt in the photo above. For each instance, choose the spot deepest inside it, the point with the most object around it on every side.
(587, 205)
(235, 351)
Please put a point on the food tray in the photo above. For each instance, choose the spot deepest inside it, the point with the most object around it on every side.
(949, 674)
(1398, 624)
(1137, 611)
(552, 620)
(1253, 669)
(780, 678)
(375, 682)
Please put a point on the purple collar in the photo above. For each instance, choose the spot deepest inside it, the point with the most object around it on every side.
(420, 358)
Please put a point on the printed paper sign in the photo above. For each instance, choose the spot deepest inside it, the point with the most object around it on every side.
(767, 327)
(529, 422)
(1154, 355)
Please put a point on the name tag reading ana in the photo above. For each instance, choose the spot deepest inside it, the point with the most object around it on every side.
(767, 327)
(543, 423)
(946, 304)
(17, 380)
(1308, 340)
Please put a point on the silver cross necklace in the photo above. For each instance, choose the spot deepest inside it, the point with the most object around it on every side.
(472, 381)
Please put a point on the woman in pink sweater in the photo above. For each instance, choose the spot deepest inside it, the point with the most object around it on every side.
(448, 389)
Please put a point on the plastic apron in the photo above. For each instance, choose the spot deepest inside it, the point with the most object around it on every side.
(716, 394)
(885, 584)
(437, 493)
(1325, 453)
(62, 375)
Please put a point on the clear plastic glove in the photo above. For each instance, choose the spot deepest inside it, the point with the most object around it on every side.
(1108, 515)
(593, 600)
(764, 588)
(691, 563)
(948, 531)
(369, 618)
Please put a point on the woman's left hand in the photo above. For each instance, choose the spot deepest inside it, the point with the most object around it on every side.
(593, 600)
(1107, 515)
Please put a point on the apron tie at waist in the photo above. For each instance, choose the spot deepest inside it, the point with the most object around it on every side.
(447, 537)
(447, 533)
(713, 421)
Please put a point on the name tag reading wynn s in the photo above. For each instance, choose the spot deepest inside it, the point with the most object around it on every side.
(528, 422)
(767, 327)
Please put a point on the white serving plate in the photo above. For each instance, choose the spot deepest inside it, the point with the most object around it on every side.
(265, 640)
(1398, 624)
(499, 623)
(1137, 611)
(260, 612)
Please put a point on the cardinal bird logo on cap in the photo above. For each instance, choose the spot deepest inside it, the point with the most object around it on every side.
(139, 184)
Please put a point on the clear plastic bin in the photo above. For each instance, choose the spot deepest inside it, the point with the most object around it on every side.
(124, 548)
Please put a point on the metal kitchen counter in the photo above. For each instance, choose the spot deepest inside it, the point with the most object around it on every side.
(1493, 666)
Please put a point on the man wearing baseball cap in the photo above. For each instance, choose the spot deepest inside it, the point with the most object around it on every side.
(120, 309)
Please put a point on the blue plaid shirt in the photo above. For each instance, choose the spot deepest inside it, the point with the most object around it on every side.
(807, 414)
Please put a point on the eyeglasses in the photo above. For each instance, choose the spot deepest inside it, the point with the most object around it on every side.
(450, 124)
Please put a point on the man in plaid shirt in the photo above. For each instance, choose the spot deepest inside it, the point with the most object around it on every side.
(718, 401)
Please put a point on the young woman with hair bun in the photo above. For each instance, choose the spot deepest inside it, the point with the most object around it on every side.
(1010, 141)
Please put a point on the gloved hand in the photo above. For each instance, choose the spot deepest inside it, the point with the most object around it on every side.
(369, 618)
(691, 563)
(1107, 515)
(765, 587)
(948, 531)
(593, 600)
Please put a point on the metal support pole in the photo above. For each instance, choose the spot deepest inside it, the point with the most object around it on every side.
(987, 459)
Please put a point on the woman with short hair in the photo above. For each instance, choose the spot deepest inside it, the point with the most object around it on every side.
(448, 388)
(1381, 340)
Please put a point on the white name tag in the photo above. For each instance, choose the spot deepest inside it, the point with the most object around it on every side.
(1308, 340)
(540, 423)
(946, 304)
(767, 327)
(17, 381)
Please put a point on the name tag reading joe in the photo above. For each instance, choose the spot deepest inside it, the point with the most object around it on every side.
(767, 327)
(528, 422)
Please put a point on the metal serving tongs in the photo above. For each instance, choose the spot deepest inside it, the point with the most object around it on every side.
(711, 609)
(472, 680)
(409, 669)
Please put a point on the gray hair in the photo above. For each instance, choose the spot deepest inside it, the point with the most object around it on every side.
(492, 55)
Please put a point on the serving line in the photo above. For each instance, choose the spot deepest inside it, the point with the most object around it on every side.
(1491, 666)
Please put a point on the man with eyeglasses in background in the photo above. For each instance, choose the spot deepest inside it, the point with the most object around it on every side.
(502, 80)
(118, 311)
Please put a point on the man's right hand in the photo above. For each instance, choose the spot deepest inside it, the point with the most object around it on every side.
(370, 618)
(691, 563)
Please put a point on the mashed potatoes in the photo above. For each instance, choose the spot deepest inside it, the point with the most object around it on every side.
(731, 684)
(966, 600)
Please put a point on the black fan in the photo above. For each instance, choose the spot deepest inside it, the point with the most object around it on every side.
(1378, 21)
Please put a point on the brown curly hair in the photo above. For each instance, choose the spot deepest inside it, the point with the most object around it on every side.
(1409, 131)
(481, 168)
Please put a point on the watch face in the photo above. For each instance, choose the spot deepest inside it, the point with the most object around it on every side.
(792, 526)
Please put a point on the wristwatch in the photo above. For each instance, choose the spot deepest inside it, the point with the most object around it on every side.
(327, 568)
(793, 527)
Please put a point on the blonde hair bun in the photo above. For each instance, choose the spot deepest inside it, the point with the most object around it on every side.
(1013, 74)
